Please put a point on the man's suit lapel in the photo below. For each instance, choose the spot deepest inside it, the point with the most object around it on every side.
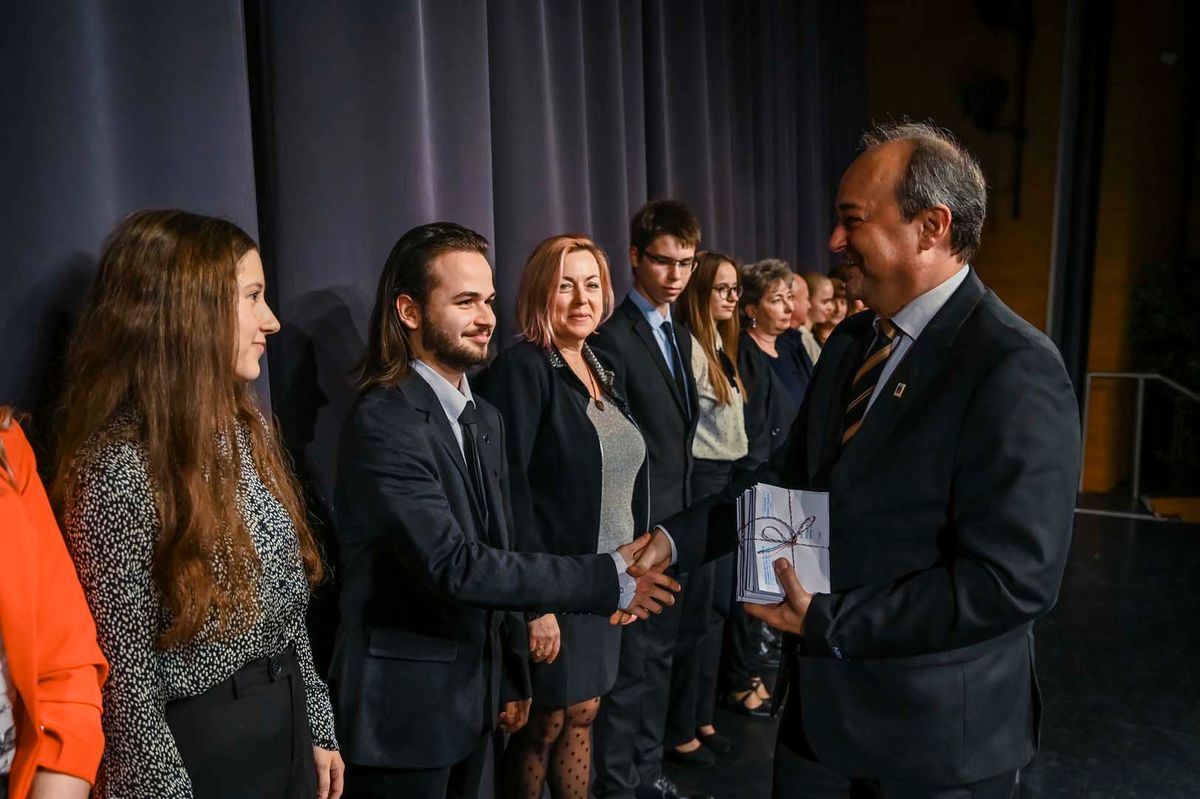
(421, 396)
(642, 329)
(918, 373)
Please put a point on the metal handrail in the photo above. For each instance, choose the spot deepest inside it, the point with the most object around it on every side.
(1141, 378)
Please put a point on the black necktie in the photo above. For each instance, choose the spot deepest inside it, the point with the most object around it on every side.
(867, 377)
(677, 367)
(469, 421)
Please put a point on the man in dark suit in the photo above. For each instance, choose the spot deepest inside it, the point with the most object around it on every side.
(430, 656)
(652, 357)
(946, 431)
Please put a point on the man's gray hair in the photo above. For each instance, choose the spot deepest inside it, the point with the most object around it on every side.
(940, 171)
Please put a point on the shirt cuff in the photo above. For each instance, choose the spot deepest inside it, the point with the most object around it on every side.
(674, 551)
(625, 582)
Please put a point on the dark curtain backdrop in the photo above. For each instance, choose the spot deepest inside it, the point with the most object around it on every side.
(328, 129)
(107, 108)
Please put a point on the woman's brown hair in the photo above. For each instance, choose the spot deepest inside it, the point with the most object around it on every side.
(156, 341)
(539, 284)
(693, 307)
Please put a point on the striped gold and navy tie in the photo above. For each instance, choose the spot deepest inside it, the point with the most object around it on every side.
(866, 377)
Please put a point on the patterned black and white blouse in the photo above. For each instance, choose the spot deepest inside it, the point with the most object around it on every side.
(111, 526)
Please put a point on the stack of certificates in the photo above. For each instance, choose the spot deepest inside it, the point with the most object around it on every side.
(776, 523)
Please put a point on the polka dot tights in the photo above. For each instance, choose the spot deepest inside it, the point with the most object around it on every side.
(554, 749)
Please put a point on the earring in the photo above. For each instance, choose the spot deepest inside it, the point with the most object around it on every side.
(753, 322)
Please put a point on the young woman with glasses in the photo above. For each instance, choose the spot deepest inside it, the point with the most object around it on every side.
(708, 307)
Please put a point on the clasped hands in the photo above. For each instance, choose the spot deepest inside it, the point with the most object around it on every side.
(651, 555)
(647, 558)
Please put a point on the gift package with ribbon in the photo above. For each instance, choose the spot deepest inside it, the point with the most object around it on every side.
(776, 523)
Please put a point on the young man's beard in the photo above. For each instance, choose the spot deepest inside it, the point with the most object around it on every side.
(450, 350)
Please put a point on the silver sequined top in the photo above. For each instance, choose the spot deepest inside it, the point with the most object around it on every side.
(622, 452)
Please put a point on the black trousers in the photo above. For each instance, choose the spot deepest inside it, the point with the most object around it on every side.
(458, 781)
(740, 661)
(691, 657)
(248, 736)
(628, 733)
(800, 777)
(701, 629)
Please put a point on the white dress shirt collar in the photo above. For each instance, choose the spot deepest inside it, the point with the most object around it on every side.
(452, 399)
(913, 318)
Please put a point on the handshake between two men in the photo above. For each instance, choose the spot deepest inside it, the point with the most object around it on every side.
(650, 554)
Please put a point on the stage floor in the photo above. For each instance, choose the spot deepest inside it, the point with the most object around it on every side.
(1119, 662)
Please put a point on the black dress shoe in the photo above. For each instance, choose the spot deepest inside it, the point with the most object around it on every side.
(731, 702)
(700, 757)
(663, 788)
(718, 743)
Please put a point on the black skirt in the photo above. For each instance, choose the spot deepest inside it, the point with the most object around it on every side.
(586, 666)
(248, 736)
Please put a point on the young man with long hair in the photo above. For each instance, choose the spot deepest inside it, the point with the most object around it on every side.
(430, 656)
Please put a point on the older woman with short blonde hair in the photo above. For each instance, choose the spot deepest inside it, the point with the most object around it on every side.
(578, 485)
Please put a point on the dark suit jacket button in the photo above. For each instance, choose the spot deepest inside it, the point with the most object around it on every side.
(274, 667)
(774, 431)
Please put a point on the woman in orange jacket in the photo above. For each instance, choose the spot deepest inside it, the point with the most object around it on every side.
(51, 668)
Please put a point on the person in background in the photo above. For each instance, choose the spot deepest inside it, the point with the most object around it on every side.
(708, 307)
(766, 302)
(51, 669)
(799, 338)
(577, 471)
(821, 332)
(652, 357)
(820, 292)
(800, 301)
(771, 405)
(839, 303)
(187, 527)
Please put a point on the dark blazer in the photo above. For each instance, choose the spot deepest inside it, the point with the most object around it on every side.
(418, 658)
(554, 453)
(792, 340)
(627, 344)
(951, 516)
(770, 407)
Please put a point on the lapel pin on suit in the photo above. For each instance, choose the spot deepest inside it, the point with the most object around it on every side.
(899, 392)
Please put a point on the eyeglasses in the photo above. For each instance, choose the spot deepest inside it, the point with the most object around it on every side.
(727, 292)
(665, 263)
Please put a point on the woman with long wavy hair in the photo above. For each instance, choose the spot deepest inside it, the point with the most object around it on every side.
(708, 307)
(50, 667)
(186, 524)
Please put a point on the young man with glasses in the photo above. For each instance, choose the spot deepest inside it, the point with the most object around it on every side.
(652, 357)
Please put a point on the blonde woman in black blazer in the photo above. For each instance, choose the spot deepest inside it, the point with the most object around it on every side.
(578, 485)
